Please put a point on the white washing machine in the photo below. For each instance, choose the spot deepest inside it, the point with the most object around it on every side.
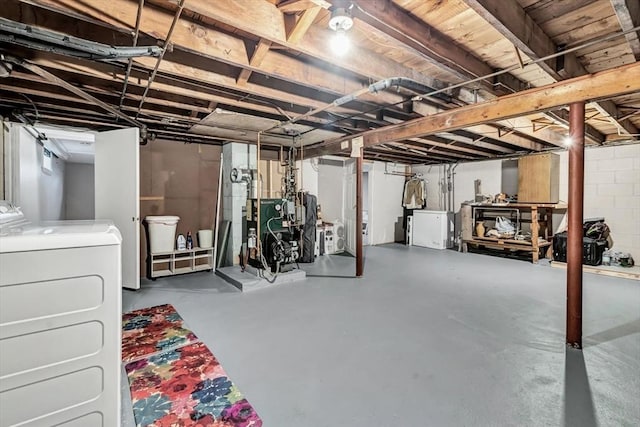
(60, 324)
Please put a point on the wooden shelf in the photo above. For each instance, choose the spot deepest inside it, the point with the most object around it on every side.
(164, 264)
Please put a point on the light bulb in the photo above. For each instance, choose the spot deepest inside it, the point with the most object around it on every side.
(567, 141)
(340, 43)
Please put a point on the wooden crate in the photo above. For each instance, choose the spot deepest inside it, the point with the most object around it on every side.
(538, 178)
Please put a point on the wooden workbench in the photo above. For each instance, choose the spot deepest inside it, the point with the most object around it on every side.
(538, 217)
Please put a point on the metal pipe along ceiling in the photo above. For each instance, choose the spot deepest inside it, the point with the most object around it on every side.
(164, 50)
(376, 87)
(135, 43)
(23, 35)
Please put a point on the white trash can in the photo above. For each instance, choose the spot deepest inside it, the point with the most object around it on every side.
(162, 232)
(205, 238)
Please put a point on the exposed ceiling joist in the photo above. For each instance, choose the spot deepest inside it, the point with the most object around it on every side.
(609, 83)
(514, 23)
(628, 13)
(292, 6)
(437, 48)
(297, 26)
(266, 21)
(257, 57)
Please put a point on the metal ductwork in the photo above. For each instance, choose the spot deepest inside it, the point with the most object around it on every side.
(52, 41)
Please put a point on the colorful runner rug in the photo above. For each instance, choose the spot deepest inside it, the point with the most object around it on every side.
(174, 379)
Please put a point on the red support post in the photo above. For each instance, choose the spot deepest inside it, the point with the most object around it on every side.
(359, 251)
(575, 219)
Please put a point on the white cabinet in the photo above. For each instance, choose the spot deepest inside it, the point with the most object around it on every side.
(432, 229)
(180, 262)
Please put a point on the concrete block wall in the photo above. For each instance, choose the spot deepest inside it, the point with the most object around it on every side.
(612, 191)
(241, 156)
(612, 188)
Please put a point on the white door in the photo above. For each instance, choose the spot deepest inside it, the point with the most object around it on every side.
(117, 188)
(349, 205)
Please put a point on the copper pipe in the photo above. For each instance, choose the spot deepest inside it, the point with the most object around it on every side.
(575, 218)
(359, 251)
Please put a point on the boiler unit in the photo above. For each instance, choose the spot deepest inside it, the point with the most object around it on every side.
(277, 231)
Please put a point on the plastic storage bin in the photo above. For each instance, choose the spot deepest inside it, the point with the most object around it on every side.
(162, 232)
(205, 238)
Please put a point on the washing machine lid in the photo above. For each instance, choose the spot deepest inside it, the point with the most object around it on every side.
(58, 235)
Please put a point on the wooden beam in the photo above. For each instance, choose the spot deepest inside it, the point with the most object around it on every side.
(525, 126)
(475, 141)
(605, 84)
(561, 117)
(257, 57)
(106, 72)
(214, 100)
(508, 17)
(493, 131)
(302, 24)
(107, 91)
(628, 13)
(428, 146)
(292, 6)
(511, 20)
(514, 138)
(433, 45)
(226, 48)
(265, 20)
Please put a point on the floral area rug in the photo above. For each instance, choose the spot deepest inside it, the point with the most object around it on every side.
(183, 385)
(150, 330)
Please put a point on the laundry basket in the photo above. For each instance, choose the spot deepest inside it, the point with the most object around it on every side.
(162, 232)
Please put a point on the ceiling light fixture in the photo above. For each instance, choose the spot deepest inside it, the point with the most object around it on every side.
(340, 22)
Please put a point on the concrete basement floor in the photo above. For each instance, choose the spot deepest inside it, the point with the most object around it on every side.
(426, 338)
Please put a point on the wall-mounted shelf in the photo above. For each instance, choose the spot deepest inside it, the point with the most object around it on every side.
(180, 262)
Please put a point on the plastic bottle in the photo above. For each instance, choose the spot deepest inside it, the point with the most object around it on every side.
(189, 241)
(181, 243)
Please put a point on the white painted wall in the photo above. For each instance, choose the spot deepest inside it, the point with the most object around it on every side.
(79, 191)
(612, 188)
(330, 191)
(385, 194)
(2, 160)
(488, 172)
(40, 195)
(384, 198)
(308, 175)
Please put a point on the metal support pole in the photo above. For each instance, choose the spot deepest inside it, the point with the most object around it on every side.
(575, 232)
(359, 252)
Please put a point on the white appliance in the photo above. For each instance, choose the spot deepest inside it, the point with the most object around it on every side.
(60, 320)
(328, 241)
(432, 229)
(339, 241)
(409, 230)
